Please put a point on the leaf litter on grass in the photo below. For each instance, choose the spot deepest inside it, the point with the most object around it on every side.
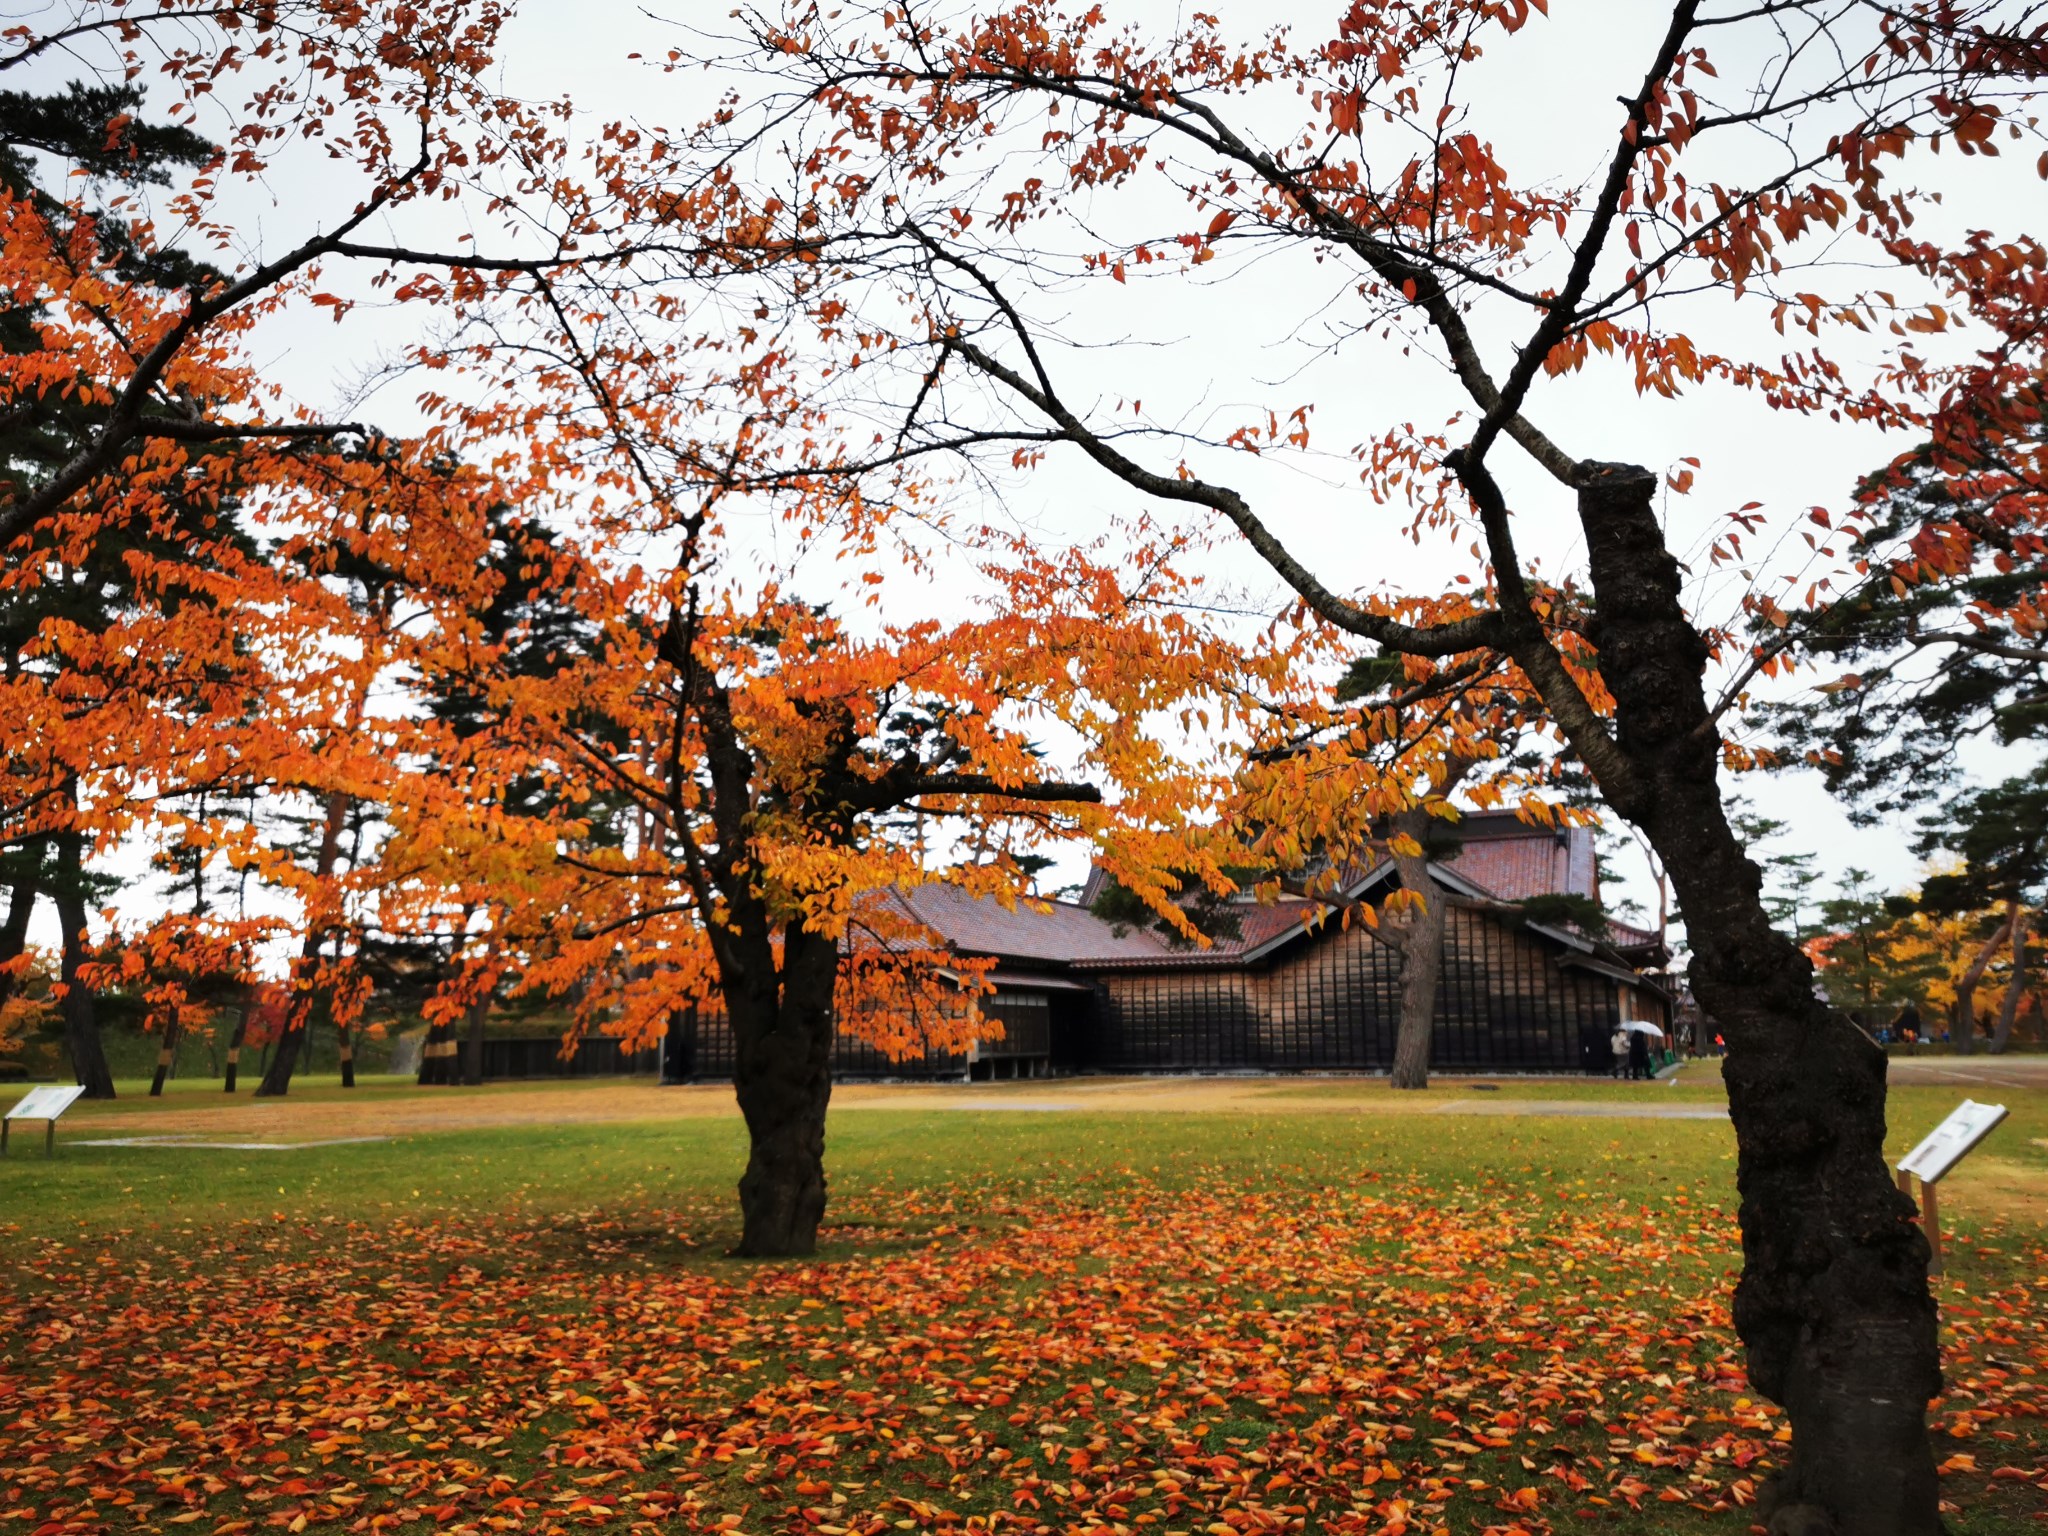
(1192, 1362)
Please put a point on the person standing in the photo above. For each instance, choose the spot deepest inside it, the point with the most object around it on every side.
(1618, 1045)
(1638, 1056)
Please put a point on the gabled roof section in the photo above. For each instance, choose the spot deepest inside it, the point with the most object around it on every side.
(1054, 930)
(1501, 858)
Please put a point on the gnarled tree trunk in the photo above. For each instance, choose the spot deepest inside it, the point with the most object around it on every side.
(1833, 1303)
(782, 1037)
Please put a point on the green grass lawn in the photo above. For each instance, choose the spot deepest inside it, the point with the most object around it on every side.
(1175, 1324)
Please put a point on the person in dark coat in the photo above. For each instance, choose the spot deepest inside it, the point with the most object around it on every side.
(1638, 1055)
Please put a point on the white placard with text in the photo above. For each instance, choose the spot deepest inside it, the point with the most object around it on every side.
(1946, 1145)
(45, 1103)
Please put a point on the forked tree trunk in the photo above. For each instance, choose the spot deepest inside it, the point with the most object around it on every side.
(1962, 1013)
(1833, 1303)
(782, 1074)
(1421, 937)
(2015, 984)
(81, 1021)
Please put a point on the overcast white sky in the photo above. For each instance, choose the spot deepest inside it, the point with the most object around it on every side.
(1196, 353)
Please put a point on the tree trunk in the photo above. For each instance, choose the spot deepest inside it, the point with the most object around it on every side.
(235, 1042)
(1422, 933)
(437, 1056)
(1833, 1303)
(298, 1017)
(783, 1077)
(81, 1021)
(2015, 984)
(21, 905)
(291, 1033)
(1421, 937)
(1962, 1013)
(679, 1047)
(166, 1058)
(473, 1048)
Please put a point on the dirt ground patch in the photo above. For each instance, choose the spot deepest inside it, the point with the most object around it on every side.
(328, 1113)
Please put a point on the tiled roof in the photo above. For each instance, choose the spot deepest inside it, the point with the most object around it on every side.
(1628, 936)
(1505, 857)
(1527, 861)
(1056, 930)
(1066, 932)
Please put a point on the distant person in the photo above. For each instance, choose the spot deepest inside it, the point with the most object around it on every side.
(1638, 1056)
(1618, 1044)
(1720, 1046)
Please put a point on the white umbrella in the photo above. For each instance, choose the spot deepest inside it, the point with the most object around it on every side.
(1640, 1027)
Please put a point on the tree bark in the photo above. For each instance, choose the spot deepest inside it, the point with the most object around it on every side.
(783, 1078)
(21, 905)
(1833, 1304)
(235, 1042)
(2015, 984)
(1421, 937)
(166, 1058)
(1422, 933)
(291, 1033)
(81, 1021)
(437, 1056)
(298, 1018)
(473, 1048)
(1962, 1013)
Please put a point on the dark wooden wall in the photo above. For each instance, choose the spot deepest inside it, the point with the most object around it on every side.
(1330, 1004)
(596, 1056)
(701, 1050)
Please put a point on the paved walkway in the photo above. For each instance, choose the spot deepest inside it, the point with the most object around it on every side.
(1983, 1071)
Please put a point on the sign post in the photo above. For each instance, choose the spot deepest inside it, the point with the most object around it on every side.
(1946, 1145)
(44, 1104)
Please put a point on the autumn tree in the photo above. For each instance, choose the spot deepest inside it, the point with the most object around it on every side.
(1938, 652)
(793, 769)
(1433, 728)
(964, 166)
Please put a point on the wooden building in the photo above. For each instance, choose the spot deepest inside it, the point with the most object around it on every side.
(1296, 989)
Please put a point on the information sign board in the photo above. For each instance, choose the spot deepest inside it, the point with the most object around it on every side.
(1947, 1143)
(45, 1103)
(40, 1104)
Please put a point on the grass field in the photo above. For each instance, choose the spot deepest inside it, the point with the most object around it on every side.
(1187, 1310)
